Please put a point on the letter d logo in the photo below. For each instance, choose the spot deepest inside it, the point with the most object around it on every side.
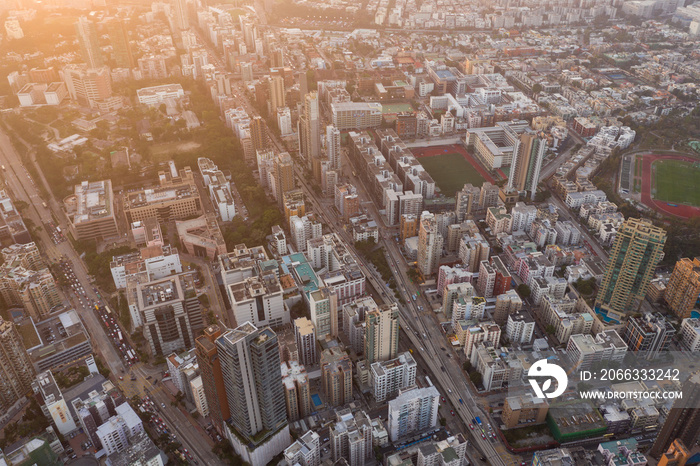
(542, 368)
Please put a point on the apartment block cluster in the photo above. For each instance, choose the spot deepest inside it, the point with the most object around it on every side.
(398, 183)
(97, 408)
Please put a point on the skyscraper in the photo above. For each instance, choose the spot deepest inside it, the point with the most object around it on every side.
(333, 146)
(277, 91)
(683, 287)
(16, 370)
(429, 245)
(250, 365)
(683, 420)
(89, 44)
(528, 154)
(284, 176)
(382, 333)
(309, 128)
(212, 378)
(258, 133)
(180, 18)
(637, 249)
(119, 37)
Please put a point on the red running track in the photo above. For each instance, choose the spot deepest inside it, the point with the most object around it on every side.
(440, 150)
(683, 211)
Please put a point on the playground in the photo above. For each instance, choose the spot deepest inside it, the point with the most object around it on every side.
(452, 167)
(669, 184)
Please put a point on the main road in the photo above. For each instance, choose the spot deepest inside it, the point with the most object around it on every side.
(23, 188)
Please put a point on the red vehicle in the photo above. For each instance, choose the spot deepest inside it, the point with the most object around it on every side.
(471, 426)
(483, 436)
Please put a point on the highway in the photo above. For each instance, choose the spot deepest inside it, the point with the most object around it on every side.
(23, 188)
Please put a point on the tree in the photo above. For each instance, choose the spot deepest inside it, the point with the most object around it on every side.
(476, 378)
(524, 291)
(550, 329)
(443, 421)
(467, 366)
(537, 88)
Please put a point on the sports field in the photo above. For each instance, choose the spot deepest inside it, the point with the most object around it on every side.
(676, 181)
(451, 171)
(396, 108)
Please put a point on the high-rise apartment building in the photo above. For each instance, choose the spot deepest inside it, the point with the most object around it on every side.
(119, 37)
(388, 377)
(250, 365)
(413, 411)
(277, 91)
(212, 377)
(323, 306)
(16, 370)
(168, 310)
(89, 42)
(528, 154)
(648, 335)
(683, 420)
(352, 438)
(305, 336)
(637, 249)
(333, 146)
(258, 133)
(382, 333)
(310, 128)
(467, 201)
(683, 287)
(336, 376)
(297, 391)
(429, 245)
(180, 17)
(284, 176)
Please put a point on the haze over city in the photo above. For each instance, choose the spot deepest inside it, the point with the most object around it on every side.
(376, 232)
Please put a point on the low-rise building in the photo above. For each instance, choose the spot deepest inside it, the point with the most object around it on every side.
(201, 236)
(585, 350)
(91, 211)
(526, 409)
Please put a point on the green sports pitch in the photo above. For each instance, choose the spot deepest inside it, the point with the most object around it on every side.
(396, 108)
(676, 181)
(451, 171)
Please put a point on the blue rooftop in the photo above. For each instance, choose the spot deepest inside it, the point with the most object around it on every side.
(445, 74)
(303, 274)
